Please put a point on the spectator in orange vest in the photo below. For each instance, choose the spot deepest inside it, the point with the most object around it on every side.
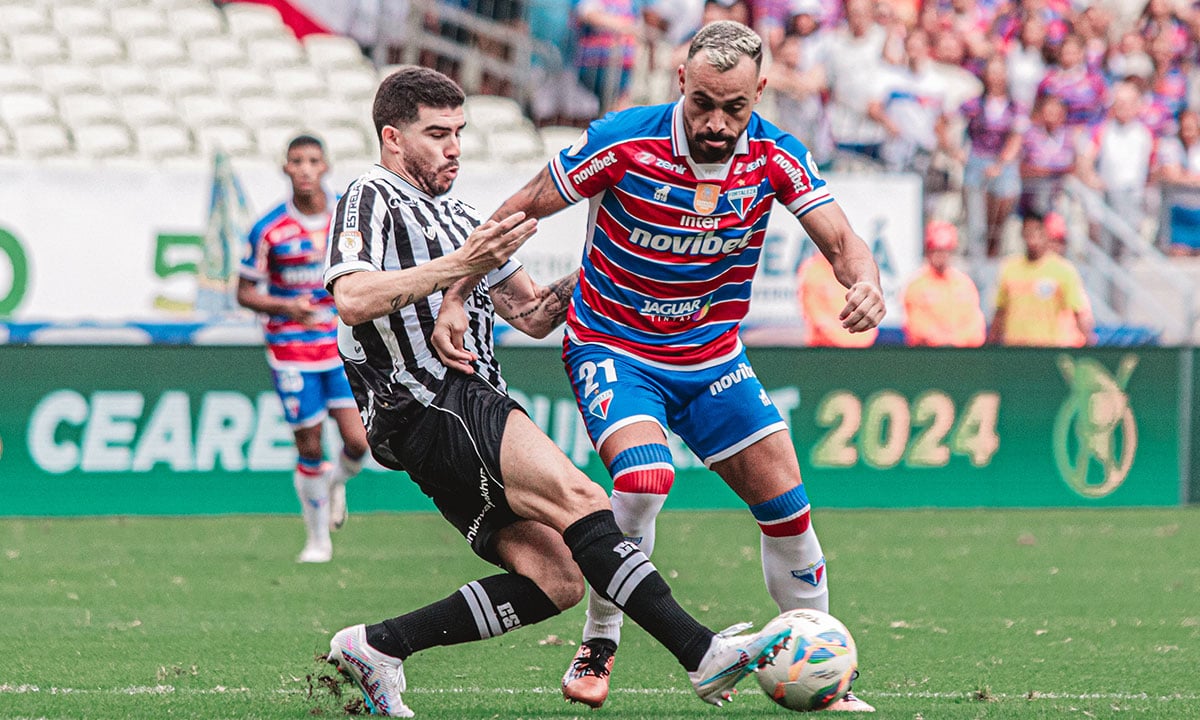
(822, 298)
(941, 304)
(1056, 235)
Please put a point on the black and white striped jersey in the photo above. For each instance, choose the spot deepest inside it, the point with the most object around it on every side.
(385, 223)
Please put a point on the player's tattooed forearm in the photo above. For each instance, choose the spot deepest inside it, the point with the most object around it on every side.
(558, 297)
(402, 300)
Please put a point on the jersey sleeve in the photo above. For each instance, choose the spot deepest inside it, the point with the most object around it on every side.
(592, 164)
(793, 174)
(356, 236)
(255, 250)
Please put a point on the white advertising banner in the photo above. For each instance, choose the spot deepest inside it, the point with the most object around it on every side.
(119, 245)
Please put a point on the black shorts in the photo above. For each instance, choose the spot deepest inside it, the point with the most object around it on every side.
(451, 449)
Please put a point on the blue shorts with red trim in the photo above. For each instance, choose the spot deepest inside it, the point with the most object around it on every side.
(308, 395)
(717, 411)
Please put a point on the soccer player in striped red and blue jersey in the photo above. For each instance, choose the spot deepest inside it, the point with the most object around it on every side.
(281, 276)
(679, 199)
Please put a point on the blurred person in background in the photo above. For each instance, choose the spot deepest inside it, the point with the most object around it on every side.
(608, 36)
(995, 124)
(821, 298)
(1035, 288)
(1178, 172)
(798, 77)
(941, 303)
(713, 11)
(285, 256)
(854, 61)
(1068, 326)
(1048, 155)
(1168, 84)
(1159, 18)
(1026, 60)
(1083, 91)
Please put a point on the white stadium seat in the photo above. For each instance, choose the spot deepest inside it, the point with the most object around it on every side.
(345, 143)
(70, 78)
(272, 140)
(140, 110)
(247, 20)
(70, 20)
(102, 140)
(42, 140)
(217, 50)
(122, 79)
(557, 137)
(155, 51)
(326, 112)
(473, 145)
(164, 142)
(234, 140)
(237, 82)
(515, 143)
(17, 77)
(333, 51)
(263, 110)
(298, 82)
(26, 107)
(7, 147)
(492, 111)
(185, 80)
(352, 82)
(199, 111)
(85, 109)
(279, 51)
(35, 49)
(138, 21)
(20, 19)
(5, 53)
(95, 50)
(195, 20)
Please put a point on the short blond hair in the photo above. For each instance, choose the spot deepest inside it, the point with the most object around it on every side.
(726, 41)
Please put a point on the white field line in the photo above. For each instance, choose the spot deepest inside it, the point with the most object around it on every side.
(6, 689)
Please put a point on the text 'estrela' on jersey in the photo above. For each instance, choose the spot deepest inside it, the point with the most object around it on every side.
(286, 250)
(673, 246)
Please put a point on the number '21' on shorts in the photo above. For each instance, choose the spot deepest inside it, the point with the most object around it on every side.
(717, 411)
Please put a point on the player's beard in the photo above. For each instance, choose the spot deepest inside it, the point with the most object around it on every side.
(429, 178)
(705, 154)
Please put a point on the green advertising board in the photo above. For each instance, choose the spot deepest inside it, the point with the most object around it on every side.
(181, 430)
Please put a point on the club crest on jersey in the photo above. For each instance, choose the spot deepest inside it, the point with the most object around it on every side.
(741, 199)
(662, 193)
(706, 198)
(350, 242)
(811, 574)
(599, 404)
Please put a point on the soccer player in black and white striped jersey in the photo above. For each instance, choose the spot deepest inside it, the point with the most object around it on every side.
(397, 243)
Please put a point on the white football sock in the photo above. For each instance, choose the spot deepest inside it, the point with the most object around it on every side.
(635, 514)
(791, 564)
(344, 469)
(313, 491)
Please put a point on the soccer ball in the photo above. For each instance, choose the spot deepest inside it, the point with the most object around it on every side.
(815, 666)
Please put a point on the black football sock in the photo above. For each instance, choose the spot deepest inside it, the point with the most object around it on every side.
(618, 570)
(481, 609)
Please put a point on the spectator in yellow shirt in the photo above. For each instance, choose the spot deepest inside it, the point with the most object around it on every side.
(821, 299)
(1035, 288)
(941, 304)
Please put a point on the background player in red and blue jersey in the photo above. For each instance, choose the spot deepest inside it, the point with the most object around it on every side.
(679, 197)
(281, 277)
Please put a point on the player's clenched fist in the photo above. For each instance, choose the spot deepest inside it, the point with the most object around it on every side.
(494, 242)
(864, 307)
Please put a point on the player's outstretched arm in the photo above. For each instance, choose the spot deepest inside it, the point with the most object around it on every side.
(537, 199)
(853, 264)
(531, 308)
(365, 296)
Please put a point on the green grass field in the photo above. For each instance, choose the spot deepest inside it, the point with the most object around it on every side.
(957, 614)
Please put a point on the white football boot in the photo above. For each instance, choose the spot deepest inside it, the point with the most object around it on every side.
(379, 677)
(732, 657)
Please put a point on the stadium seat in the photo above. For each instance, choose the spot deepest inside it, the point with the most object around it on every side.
(326, 112)
(33, 49)
(138, 21)
(515, 143)
(143, 109)
(122, 79)
(7, 147)
(17, 77)
(155, 51)
(263, 110)
(185, 80)
(20, 19)
(473, 145)
(102, 140)
(95, 50)
(251, 20)
(328, 52)
(297, 82)
(26, 107)
(164, 142)
(5, 53)
(236, 82)
(272, 140)
(278, 51)
(217, 50)
(235, 140)
(345, 143)
(352, 83)
(557, 137)
(195, 20)
(42, 140)
(203, 110)
(70, 78)
(79, 110)
(492, 111)
(71, 20)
